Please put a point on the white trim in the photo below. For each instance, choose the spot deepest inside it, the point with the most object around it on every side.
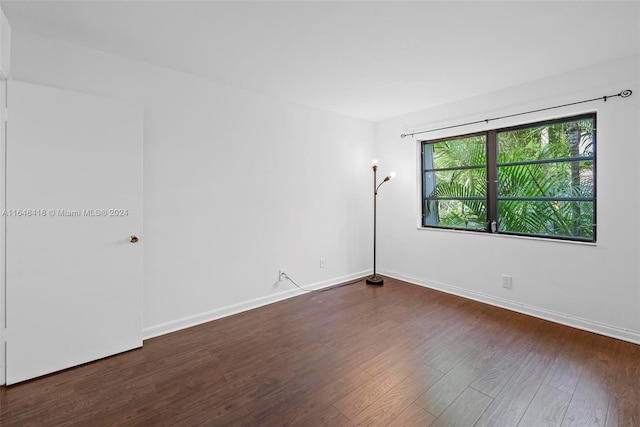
(3, 230)
(541, 313)
(197, 319)
(507, 236)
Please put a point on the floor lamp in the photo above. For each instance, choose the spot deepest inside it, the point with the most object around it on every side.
(375, 279)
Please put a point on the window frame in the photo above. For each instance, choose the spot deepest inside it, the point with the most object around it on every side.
(424, 171)
(492, 166)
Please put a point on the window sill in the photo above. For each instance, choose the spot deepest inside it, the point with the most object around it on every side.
(507, 236)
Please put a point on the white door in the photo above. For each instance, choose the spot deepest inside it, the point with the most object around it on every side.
(74, 198)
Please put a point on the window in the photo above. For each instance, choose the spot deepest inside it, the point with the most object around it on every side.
(535, 180)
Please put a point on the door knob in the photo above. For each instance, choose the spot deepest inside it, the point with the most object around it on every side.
(134, 238)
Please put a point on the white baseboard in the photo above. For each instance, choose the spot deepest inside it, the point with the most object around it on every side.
(542, 313)
(189, 321)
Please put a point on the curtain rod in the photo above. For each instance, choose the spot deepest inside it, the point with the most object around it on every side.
(624, 94)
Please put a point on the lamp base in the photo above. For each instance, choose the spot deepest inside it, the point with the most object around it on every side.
(375, 280)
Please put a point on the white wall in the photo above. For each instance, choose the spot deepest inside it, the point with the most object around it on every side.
(237, 185)
(5, 45)
(595, 287)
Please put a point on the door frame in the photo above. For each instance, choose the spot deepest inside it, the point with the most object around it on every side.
(3, 226)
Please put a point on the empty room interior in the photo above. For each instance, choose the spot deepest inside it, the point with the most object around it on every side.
(304, 213)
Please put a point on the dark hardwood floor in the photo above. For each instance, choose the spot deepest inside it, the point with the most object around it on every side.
(354, 355)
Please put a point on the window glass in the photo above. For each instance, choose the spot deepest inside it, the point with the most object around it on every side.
(555, 140)
(455, 183)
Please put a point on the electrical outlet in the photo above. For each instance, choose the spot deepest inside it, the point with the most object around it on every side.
(506, 281)
(281, 274)
(321, 262)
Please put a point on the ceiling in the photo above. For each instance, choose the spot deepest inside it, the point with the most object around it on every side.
(366, 59)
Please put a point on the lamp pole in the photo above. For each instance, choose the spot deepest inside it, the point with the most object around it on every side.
(375, 279)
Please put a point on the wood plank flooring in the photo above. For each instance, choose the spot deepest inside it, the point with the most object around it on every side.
(396, 355)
